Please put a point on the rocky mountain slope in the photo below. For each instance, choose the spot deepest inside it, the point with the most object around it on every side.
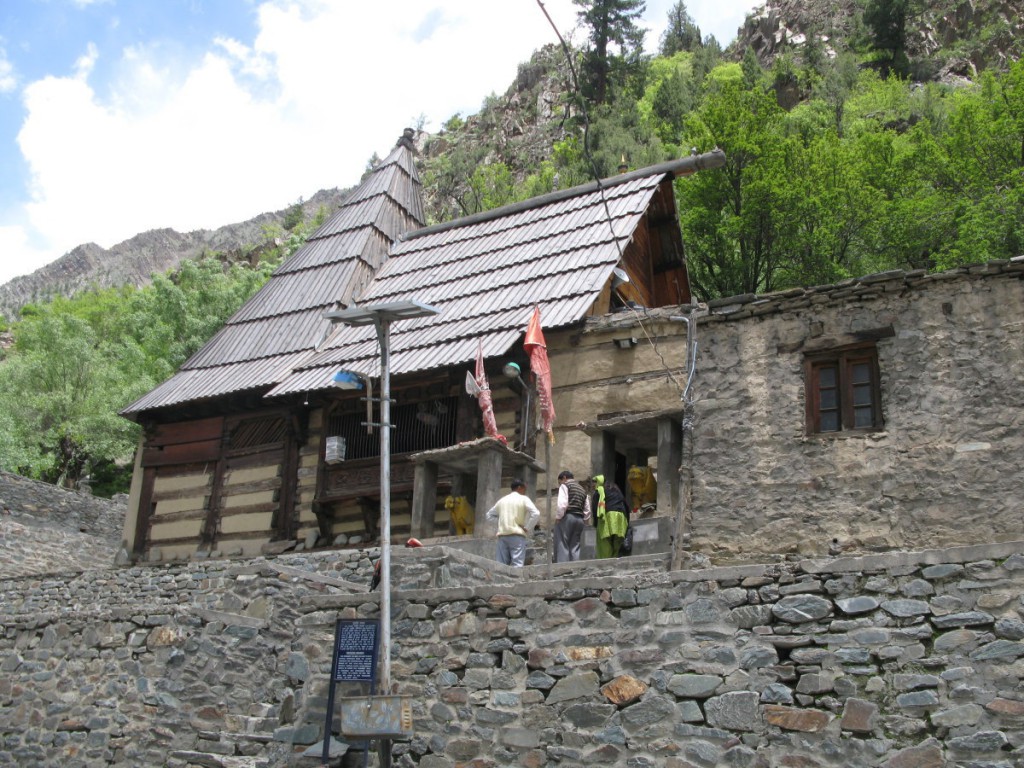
(945, 38)
(134, 261)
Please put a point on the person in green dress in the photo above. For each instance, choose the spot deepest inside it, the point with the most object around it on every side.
(611, 517)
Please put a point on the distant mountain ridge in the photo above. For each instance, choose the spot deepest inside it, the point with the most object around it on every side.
(134, 261)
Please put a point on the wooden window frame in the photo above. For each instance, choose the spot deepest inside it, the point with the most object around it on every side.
(843, 361)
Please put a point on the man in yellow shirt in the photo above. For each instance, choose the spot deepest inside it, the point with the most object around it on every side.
(516, 516)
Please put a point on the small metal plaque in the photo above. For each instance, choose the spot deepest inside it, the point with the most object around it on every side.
(373, 717)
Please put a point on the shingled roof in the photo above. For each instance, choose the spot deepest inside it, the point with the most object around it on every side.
(486, 273)
(280, 326)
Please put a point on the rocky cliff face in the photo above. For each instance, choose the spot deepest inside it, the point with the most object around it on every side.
(134, 261)
(946, 38)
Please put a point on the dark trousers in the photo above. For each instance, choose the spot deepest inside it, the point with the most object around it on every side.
(568, 532)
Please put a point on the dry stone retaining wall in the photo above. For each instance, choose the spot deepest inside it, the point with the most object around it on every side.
(48, 529)
(897, 660)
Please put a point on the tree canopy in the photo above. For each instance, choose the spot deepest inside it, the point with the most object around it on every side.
(610, 24)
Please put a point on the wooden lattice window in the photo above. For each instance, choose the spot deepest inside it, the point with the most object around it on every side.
(415, 427)
(842, 390)
(254, 433)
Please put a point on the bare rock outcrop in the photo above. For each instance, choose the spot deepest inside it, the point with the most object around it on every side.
(134, 261)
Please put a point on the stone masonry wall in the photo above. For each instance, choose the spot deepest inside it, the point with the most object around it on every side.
(900, 659)
(944, 469)
(47, 529)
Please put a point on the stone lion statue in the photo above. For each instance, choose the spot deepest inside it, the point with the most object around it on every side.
(643, 487)
(461, 513)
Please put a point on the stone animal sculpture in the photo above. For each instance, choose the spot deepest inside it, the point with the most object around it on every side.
(462, 515)
(643, 488)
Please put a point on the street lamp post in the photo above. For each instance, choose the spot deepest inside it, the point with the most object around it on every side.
(514, 372)
(381, 316)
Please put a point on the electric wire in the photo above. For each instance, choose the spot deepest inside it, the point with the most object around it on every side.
(577, 97)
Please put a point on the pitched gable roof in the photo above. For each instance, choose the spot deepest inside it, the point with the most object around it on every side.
(282, 323)
(487, 272)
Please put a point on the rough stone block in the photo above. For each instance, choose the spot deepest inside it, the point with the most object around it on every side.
(736, 710)
(573, 687)
(624, 689)
(859, 715)
(796, 719)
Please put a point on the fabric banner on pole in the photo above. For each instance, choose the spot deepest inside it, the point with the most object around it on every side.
(483, 396)
(537, 349)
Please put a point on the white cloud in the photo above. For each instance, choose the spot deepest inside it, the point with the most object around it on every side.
(8, 82)
(13, 239)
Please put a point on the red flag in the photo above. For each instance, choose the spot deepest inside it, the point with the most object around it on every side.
(483, 396)
(537, 349)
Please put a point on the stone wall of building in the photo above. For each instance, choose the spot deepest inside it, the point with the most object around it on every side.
(943, 469)
(897, 660)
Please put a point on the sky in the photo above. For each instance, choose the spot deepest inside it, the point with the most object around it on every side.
(121, 116)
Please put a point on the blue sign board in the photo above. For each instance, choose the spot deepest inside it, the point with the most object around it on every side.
(355, 650)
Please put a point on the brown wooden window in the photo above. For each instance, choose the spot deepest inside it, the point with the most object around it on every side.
(842, 390)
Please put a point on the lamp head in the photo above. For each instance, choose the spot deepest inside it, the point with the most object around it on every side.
(512, 370)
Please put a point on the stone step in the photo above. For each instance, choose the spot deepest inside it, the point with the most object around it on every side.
(210, 760)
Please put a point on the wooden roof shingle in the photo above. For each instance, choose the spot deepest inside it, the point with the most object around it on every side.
(282, 323)
(485, 273)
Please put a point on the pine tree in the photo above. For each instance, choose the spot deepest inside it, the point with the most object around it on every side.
(610, 22)
(887, 20)
(681, 34)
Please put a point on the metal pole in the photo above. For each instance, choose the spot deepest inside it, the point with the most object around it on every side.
(383, 336)
(547, 482)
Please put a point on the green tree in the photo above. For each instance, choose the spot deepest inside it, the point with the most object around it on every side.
(887, 22)
(617, 132)
(705, 59)
(490, 186)
(833, 205)
(753, 72)
(610, 24)
(835, 87)
(673, 100)
(984, 170)
(681, 33)
(294, 216)
(61, 391)
(449, 174)
(730, 217)
(175, 315)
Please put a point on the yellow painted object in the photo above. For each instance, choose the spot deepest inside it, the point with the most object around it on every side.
(462, 514)
(643, 488)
